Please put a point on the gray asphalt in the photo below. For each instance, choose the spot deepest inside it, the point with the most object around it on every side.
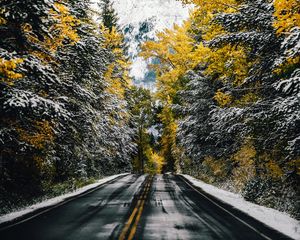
(142, 207)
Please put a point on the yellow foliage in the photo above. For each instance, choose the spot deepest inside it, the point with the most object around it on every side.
(176, 51)
(245, 171)
(113, 39)
(294, 165)
(216, 166)
(246, 154)
(7, 70)
(287, 64)
(168, 138)
(204, 13)
(229, 63)
(156, 162)
(223, 99)
(42, 135)
(273, 169)
(247, 99)
(2, 21)
(63, 29)
(287, 14)
(117, 84)
(39, 162)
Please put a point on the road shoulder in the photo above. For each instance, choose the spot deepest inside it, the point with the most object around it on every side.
(34, 210)
(275, 219)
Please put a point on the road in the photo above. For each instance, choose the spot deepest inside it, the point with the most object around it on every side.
(141, 207)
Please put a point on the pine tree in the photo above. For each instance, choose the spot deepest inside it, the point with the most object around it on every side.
(61, 118)
(31, 107)
(109, 16)
(232, 71)
(195, 127)
(118, 87)
(142, 119)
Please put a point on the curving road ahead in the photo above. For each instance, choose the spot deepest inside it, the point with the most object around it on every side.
(141, 207)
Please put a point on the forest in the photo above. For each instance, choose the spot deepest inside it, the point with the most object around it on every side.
(226, 109)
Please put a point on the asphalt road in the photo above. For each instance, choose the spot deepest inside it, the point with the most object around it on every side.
(142, 207)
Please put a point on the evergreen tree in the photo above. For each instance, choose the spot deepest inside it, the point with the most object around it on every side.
(195, 127)
(142, 119)
(31, 108)
(109, 16)
(64, 85)
(234, 122)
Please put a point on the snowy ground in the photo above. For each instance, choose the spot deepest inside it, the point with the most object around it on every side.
(273, 218)
(55, 201)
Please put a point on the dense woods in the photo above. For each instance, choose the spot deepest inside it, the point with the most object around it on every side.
(65, 117)
(226, 109)
(228, 81)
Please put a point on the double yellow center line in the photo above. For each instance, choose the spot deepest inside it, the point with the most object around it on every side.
(136, 213)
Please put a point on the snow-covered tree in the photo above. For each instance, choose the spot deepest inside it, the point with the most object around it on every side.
(63, 97)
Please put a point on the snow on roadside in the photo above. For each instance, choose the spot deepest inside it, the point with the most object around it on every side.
(56, 200)
(278, 220)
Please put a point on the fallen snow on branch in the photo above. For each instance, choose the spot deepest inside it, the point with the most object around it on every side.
(278, 220)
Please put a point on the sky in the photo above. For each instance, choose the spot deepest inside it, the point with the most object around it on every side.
(167, 11)
(161, 13)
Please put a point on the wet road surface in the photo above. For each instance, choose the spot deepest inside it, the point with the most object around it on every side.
(142, 207)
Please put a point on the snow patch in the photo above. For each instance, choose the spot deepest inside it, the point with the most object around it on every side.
(54, 201)
(278, 220)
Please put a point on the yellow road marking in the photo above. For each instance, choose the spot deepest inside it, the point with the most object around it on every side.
(128, 223)
(138, 209)
(134, 227)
